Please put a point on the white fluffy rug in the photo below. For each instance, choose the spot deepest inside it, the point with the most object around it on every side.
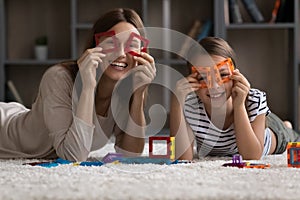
(204, 179)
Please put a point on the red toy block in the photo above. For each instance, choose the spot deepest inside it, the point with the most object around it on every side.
(170, 147)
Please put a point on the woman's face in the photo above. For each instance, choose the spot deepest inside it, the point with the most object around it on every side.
(216, 94)
(118, 60)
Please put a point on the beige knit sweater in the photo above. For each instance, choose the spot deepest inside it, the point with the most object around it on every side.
(50, 128)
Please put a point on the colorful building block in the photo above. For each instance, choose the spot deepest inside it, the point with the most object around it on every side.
(111, 157)
(293, 154)
(237, 161)
(170, 147)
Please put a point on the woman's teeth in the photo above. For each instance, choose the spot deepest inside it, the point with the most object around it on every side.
(118, 64)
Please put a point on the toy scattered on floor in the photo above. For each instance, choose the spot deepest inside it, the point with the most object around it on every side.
(237, 161)
(60, 161)
(170, 147)
(145, 160)
(293, 154)
(111, 157)
(168, 158)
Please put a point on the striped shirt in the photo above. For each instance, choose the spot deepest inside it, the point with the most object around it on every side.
(212, 141)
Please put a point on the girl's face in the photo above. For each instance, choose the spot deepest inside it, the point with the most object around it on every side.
(216, 94)
(118, 61)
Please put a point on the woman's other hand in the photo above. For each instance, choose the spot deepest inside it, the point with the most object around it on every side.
(145, 71)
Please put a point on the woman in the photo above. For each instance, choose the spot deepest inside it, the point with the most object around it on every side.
(70, 123)
(216, 107)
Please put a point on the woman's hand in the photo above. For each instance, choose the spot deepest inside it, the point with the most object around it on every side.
(240, 88)
(145, 72)
(88, 63)
(185, 86)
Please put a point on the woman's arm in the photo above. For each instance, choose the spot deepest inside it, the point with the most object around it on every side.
(87, 64)
(131, 142)
(133, 139)
(71, 136)
(71, 130)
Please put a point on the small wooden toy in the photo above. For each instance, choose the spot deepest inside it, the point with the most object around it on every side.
(293, 154)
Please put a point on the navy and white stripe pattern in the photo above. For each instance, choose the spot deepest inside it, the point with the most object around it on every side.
(212, 141)
(268, 142)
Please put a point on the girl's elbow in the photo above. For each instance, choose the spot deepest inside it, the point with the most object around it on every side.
(252, 156)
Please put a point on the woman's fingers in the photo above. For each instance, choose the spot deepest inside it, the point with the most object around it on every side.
(92, 54)
(88, 63)
(146, 59)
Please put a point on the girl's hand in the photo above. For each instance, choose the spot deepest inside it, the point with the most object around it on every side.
(88, 63)
(145, 72)
(185, 86)
(240, 88)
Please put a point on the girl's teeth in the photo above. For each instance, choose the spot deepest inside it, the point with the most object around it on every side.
(215, 95)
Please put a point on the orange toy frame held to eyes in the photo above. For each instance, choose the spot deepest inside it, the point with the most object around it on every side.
(207, 81)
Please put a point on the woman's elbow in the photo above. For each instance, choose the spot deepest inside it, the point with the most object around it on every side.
(74, 156)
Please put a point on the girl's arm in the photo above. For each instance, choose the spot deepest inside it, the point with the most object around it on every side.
(181, 131)
(249, 136)
(179, 128)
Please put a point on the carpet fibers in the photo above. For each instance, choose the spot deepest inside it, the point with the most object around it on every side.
(204, 179)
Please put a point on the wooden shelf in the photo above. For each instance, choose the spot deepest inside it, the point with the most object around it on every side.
(33, 62)
(261, 26)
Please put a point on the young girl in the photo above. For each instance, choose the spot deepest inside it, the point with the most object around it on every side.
(55, 127)
(216, 106)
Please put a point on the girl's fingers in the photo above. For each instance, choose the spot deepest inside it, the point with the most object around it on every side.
(238, 77)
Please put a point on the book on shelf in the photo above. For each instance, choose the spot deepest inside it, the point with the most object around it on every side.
(194, 31)
(205, 30)
(275, 11)
(199, 30)
(226, 12)
(253, 10)
(234, 12)
(15, 95)
(285, 11)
